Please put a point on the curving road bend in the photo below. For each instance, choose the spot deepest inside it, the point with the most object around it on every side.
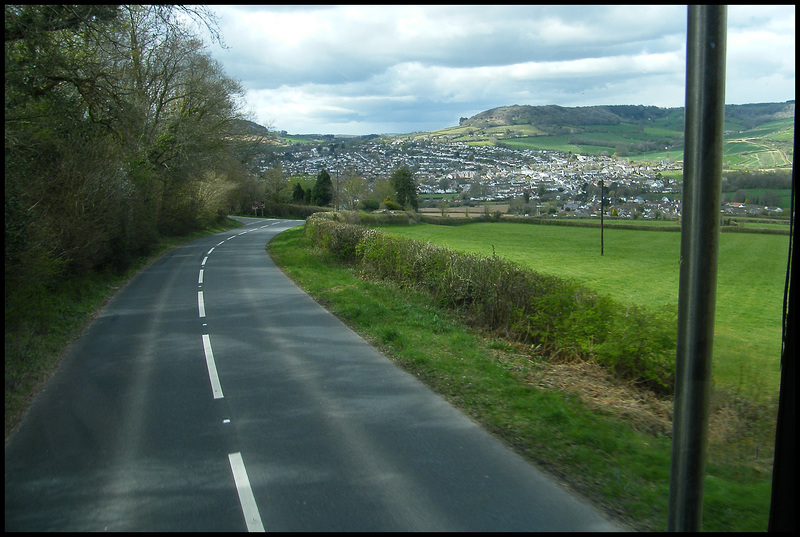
(211, 394)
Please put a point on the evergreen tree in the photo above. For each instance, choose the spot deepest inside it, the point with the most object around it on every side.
(298, 194)
(322, 194)
(405, 188)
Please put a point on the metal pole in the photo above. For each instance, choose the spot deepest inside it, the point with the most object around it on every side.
(702, 178)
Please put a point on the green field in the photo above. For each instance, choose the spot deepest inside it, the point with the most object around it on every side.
(555, 143)
(641, 267)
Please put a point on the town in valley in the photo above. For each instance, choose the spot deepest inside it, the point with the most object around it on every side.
(456, 178)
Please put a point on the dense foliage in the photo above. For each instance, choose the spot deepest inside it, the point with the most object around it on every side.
(734, 180)
(119, 129)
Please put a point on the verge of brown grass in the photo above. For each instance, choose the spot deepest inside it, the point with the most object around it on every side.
(736, 427)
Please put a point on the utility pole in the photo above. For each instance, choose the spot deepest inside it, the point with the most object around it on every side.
(336, 190)
(702, 179)
(602, 196)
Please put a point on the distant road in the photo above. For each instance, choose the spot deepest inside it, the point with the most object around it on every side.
(212, 394)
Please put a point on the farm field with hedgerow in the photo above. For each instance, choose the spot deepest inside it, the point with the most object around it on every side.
(642, 267)
(603, 436)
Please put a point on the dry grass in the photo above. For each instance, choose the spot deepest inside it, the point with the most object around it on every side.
(599, 390)
(595, 387)
(738, 430)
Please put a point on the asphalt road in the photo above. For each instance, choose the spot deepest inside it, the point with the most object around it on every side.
(211, 394)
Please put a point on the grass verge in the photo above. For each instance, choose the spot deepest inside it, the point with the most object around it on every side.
(593, 437)
(37, 339)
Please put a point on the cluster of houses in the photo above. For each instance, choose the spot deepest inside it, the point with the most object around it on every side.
(745, 209)
(551, 182)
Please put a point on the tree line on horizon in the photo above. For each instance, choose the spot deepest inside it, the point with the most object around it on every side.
(397, 192)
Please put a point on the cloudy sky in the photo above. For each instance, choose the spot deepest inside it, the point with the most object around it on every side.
(400, 69)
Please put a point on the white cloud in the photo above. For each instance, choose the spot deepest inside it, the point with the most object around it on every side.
(403, 68)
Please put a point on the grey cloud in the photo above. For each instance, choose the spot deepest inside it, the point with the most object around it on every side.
(467, 36)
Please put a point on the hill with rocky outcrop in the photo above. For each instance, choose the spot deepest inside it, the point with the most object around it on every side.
(549, 117)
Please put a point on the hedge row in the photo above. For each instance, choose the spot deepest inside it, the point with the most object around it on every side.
(291, 210)
(559, 316)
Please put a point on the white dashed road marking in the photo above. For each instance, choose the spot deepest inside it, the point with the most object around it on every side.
(248, 502)
(246, 499)
(216, 387)
(201, 305)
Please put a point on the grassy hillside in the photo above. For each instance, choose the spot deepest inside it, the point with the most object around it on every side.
(769, 145)
(758, 136)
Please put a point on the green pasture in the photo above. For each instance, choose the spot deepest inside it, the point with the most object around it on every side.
(552, 143)
(738, 146)
(642, 267)
(759, 159)
(657, 156)
(515, 130)
(783, 128)
(660, 131)
(477, 143)
(786, 135)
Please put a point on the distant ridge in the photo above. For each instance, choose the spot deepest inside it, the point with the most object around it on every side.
(549, 117)
(247, 127)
